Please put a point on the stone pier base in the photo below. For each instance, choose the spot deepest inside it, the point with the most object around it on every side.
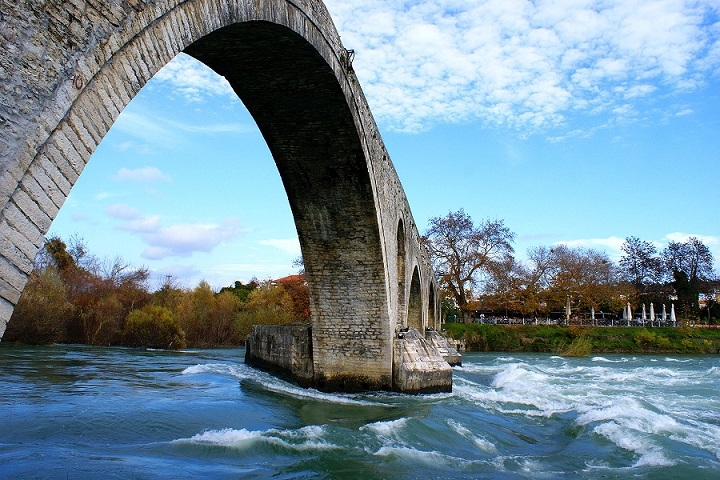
(285, 350)
(418, 367)
(419, 363)
(444, 347)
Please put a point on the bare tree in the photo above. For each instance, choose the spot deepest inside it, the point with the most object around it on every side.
(462, 252)
(640, 265)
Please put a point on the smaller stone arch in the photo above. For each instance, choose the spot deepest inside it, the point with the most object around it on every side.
(401, 273)
(414, 315)
(431, 307)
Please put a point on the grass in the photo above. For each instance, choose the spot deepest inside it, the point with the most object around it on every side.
(582, 341)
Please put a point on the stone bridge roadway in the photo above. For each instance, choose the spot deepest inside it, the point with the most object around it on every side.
(69, 67)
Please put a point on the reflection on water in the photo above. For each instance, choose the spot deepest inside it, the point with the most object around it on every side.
(86, 412)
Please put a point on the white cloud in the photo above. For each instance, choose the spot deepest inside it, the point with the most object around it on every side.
(122, 212)
(708, 240)
(166, 133)
(142, 225)
(144, 174)
(610, 245)
(192, 79)
(182, 240)
(529, 65)
(287, 245)
(613, 245)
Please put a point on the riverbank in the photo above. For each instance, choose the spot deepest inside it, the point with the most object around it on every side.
(580, 341)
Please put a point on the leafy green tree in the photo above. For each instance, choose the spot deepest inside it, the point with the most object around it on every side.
(241, 290)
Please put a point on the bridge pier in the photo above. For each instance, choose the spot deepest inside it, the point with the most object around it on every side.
(420, 364)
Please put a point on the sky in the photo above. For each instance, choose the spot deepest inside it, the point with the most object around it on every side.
(579, 122)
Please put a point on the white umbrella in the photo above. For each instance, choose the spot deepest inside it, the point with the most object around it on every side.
(629, 316)
(672, 313)
(664, 315)
(567, 310)
(643, 317)
(652, 314)
(592, 314)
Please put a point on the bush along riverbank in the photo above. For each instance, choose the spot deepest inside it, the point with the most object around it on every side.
(582, 341)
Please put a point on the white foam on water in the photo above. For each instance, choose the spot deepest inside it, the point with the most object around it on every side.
(279, 386)
(517, 374)
(607, 360)
(431, 458)
(517, 389)
(222, 368)
(225, 437)
(275, 384)
(678, 360)
(650, 454)
(387, 429)
(631, 414)
(305, 438)
(481, 442)
(629, 424)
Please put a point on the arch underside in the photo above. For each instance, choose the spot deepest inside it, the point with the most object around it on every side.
(301, 111)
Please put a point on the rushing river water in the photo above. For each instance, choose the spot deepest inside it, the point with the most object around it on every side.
(72, 412)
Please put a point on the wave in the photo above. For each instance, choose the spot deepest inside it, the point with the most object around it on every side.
(607, 360)
(305, 438)
(481, 442)
(221, 368)
(388, 428)
(649, 453)
(431, 458)
(678, 360)
(275, 384)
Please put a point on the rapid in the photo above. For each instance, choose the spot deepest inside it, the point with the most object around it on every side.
(78, 412)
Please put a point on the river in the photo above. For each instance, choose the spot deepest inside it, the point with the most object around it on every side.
(78, 412)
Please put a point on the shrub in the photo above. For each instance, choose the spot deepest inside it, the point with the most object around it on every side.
(580, 347)
(645, 340)
(40, 315)
(155, 327)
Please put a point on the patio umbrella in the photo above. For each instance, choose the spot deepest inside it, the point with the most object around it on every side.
(567, 310)
(672, 313)
(643, 317)
(652, 313)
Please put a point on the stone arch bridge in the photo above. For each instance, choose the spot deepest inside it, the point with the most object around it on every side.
(69, 67)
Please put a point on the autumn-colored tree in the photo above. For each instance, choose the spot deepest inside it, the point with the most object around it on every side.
(269, 304)
(41, 314)
(155, 327)
(297, 288)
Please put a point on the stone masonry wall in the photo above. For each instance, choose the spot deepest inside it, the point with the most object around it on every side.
(282, 349)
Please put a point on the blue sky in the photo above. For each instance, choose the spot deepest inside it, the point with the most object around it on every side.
(580, 122)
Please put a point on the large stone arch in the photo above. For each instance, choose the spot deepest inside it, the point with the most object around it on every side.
(70, 68)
